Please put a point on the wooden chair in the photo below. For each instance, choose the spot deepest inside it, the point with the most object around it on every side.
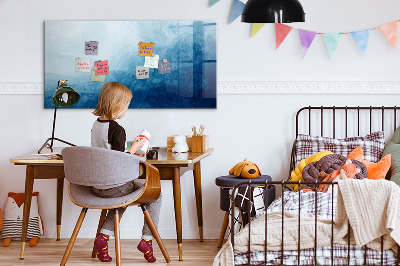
(85, 167)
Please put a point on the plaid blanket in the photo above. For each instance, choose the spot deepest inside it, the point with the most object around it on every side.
(324, 257)
(307, 202)
(322, 204)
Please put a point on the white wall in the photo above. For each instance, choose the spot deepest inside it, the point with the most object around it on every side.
(257, 127)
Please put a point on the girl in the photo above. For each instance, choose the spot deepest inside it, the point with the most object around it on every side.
(106, 133)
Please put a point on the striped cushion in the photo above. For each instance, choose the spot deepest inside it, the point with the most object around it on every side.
(372, 145)
(13, 228)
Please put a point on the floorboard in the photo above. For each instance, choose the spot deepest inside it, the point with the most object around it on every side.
(49, 252)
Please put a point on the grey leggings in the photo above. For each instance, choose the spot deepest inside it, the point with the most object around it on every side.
(154, 208)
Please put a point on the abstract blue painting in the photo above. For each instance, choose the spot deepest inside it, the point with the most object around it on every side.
(185, 51)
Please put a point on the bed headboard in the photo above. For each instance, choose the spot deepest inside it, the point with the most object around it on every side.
(347, 115)
(344, 121)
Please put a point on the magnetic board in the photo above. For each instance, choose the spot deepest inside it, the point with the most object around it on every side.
(166, 64)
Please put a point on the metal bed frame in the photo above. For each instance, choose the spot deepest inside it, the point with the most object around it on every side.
(283, 184)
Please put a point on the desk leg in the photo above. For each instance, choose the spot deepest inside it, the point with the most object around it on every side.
(199, 204)
(27, 206)
(176, 183)
(60, 190)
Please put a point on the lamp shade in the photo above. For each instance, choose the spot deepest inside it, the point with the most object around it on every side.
(273, 11)
(65, 95)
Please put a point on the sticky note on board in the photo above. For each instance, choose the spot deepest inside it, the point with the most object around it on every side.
(164, 67)
(151, 61)
(145, 48)
(82, 64)
(101, 67)
(91, 48)
(99, 78)
(142, 72)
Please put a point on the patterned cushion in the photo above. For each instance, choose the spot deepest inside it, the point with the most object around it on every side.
(372, 144)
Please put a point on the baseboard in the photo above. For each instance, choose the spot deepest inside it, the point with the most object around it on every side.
(259, 87)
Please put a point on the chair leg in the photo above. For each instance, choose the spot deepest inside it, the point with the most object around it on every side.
(223, 229)
(73, 237)
(154, 230)
(101, 222)
(117, 239)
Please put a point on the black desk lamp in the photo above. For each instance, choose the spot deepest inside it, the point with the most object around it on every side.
(63, 97)
(273, 11)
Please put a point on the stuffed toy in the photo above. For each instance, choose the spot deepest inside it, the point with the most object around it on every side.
(375, 170)
(245, 169)
(13, 215)
(180, 144)
(296, 174)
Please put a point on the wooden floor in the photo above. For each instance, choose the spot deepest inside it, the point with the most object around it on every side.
(50, 252)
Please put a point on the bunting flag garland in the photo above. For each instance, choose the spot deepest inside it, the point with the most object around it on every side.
(306, 39)
(361, 37)
(332, 41)
(213, 2)
(389, 30)
(256, 27)
(237, 8)
(281, 31)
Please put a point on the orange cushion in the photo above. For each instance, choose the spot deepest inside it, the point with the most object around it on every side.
(375, 170)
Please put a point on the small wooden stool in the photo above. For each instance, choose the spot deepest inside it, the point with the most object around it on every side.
(228, 182)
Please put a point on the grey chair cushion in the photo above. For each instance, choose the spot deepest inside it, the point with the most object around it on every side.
(99, 167)
(83, 196)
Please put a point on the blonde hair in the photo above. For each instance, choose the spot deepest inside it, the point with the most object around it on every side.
(112, 99)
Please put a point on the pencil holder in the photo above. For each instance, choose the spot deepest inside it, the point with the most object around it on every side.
(200, 143)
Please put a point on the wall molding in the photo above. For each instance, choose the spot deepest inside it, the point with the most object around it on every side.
(259, 87)
(309, 87)
(22, 88)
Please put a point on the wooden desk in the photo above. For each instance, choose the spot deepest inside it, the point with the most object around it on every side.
(171, 167)
(40, 167)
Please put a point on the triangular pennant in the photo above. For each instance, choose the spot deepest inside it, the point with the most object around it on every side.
(256, 28)
(389, 30)
(332, 41)
(281, 31)
(237, 8)
(306, 39)
(213, 2)
(361, 37)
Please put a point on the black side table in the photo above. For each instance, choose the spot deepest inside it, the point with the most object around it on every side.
(228, 182)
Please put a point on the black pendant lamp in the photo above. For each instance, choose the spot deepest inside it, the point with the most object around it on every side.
(273, 11)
